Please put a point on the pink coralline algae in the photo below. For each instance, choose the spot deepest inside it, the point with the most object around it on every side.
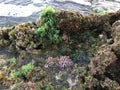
(49, 62)
(62, 62)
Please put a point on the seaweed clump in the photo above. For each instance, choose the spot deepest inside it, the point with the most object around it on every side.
(22, 37)
(47, 26)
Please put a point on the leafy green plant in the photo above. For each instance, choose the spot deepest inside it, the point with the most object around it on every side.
(47, 28)
(21, 71)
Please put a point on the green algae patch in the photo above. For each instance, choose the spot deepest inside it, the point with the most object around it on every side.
(47, 27)
(21, 72)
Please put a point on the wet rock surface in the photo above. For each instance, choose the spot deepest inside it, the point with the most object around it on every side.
(87, 58)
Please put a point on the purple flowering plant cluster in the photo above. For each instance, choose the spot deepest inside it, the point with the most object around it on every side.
(62, 62)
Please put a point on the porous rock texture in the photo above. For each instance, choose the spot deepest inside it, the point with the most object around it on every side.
(69, 22)
(105, 62)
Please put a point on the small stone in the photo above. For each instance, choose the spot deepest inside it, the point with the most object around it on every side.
(101, 36)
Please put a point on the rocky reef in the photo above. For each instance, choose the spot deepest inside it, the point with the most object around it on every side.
(62, 50)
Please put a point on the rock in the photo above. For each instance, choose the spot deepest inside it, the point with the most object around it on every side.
(116, 37)
(116, 31)
(69, 23)
(110, 84)
(106, 62)
(101, 61)
(116, 49)
(2, 60)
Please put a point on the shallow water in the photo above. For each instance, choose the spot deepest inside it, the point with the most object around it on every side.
(6, 53)
(19, 11)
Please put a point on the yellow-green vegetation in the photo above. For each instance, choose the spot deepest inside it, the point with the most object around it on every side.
(64, 88)
(102, 12)
(13, 61)
(21, 72)
(12, 32)
(47, 27)
(49, 87)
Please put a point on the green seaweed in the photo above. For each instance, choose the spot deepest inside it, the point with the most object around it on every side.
(21, 72)
(47, 28)
(102, 12)
(49, 87)
(12, 32)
